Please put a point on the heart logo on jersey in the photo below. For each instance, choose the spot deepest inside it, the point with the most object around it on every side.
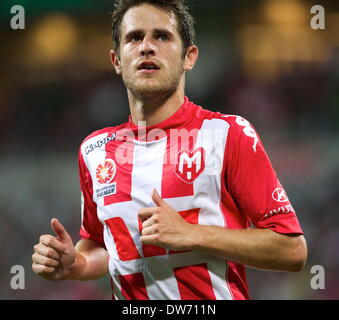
(190, 164)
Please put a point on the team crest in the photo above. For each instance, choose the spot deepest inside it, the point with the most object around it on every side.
(190, 164)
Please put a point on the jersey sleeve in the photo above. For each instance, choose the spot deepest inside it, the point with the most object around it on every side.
(253, 183)
(91, 227)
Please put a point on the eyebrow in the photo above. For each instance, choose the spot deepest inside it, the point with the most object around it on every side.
(140, 31)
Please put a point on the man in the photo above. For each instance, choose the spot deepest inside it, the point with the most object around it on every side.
(169, 196)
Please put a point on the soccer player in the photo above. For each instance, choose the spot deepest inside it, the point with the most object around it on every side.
(179, 199)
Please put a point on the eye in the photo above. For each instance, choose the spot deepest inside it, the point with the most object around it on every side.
(162, 37)
(135, 38)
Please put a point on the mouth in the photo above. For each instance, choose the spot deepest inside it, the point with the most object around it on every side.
(148, 67)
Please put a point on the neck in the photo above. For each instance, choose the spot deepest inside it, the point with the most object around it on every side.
(156, 109)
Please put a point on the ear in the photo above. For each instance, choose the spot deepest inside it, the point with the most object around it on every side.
(191, 57)
(115, 62)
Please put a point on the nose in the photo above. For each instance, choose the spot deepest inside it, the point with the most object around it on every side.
(147, 47)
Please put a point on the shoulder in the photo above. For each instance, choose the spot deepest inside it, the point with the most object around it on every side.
(240, 132)
(99, 138)
(233, 122)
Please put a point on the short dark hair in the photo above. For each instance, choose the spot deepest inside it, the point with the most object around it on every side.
(178, 7)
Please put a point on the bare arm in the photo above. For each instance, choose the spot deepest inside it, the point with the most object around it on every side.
(91, 261)
(258, 248)
(56, 258)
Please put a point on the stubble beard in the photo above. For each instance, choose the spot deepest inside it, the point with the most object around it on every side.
(163, 88)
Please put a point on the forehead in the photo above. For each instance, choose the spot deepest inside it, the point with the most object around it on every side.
(148, 17)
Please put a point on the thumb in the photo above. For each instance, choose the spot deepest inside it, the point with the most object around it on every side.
(160, 202)
(60, 231)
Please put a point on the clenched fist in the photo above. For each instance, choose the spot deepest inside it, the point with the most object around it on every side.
(54, 256)
(163, 226)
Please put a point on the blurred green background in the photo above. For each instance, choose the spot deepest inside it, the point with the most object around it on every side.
(259, 59)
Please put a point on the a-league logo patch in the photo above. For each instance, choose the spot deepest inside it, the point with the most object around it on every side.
(105, 174)
(106, 171)
(190, 164)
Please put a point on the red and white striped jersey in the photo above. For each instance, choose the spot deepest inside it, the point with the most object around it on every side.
(211, 168)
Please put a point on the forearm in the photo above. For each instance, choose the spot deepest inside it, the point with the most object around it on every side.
(91, 262)
(258, 248)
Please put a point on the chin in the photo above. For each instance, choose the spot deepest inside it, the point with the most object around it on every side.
(151, 87)
(150, 90)
(151, 94)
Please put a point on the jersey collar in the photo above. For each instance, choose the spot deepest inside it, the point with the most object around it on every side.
(175, 121)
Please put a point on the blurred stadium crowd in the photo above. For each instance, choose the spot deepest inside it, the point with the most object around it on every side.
(258, 59)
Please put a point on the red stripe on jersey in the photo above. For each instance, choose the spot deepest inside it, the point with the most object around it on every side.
(191, 216)
(124, 243)
(122, 152)
(133, 287)
(182, 189)
(194, 282)
(91, 227)
(150, 250)
(178, 140)
(237, 281)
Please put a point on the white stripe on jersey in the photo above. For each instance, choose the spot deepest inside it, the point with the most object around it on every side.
(207, 189)
(95, 161)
